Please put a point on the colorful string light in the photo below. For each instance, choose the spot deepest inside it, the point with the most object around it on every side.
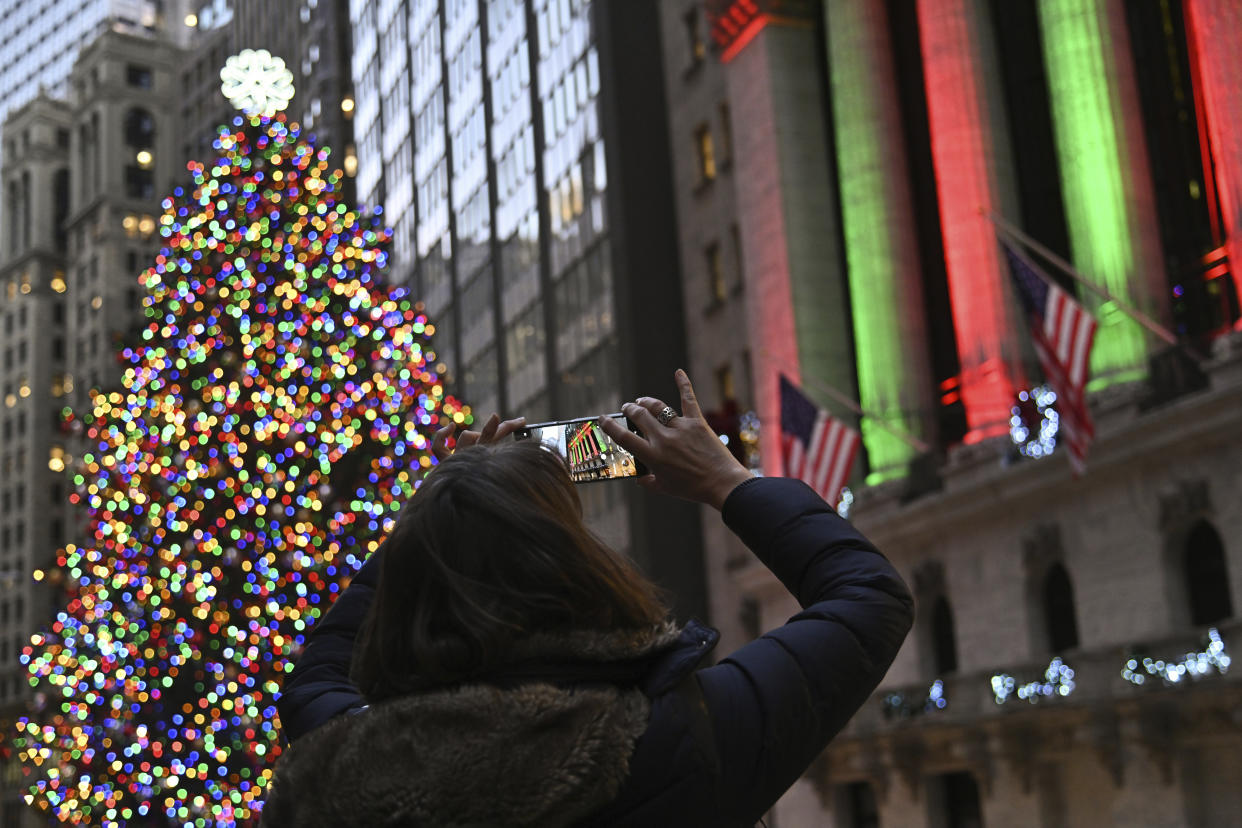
(271, 422)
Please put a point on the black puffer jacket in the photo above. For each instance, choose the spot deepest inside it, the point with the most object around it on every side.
(612, 731)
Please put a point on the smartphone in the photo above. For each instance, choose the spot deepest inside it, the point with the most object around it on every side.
(589, 453)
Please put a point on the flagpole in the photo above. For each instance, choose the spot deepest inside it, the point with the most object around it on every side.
(1134, 313)
(854, 406)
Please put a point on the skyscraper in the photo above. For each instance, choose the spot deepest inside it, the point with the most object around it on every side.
(519, 150)
(82, 179)
(40, 40)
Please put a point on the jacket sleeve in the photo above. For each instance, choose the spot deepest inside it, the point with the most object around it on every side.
(777, 702)
(319, 688)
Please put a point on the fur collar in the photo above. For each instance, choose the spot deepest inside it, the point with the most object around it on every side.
(530, 754)
(595, 645)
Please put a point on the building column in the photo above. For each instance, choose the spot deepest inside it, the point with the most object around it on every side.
(1214, 28)
(1109, 199)
(974, 176)
(881, 247)
(798, 323)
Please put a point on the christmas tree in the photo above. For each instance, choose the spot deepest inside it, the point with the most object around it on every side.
(271, 422)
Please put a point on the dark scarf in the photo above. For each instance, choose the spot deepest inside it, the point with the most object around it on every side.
(543, 740)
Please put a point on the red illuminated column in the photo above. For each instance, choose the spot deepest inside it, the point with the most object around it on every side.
(798, 320)
(973, 174)
(1215, 30)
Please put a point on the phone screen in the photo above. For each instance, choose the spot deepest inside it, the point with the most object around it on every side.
(588, 452)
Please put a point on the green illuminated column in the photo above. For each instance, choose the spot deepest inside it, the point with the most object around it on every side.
(798, 321)
(881, 251)
(1109, 202)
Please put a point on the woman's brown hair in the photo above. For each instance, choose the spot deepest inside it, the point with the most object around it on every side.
(491, 549)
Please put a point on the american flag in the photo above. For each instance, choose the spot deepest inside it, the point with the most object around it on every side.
(1062, 332)
(817, 449)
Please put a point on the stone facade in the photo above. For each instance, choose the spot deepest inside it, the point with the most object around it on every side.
(1069, 663)
(1111, 751)
(713, 270)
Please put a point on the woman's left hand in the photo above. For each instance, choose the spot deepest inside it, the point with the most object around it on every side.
(494, 429)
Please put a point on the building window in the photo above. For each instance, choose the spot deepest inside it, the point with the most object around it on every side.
(25, 217)
(140, 76)
(1207, 577)
(139, 182)
(726, 134)
(858, 806)
(706, 153)
(139, 129)
(725, 386)
(1058, 601)
(715, 273)
(956, 801)
(738, 262)
(60, 200)
(944, 641)
(694, 38)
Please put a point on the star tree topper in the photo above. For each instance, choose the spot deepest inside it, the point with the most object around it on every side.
(257, 82)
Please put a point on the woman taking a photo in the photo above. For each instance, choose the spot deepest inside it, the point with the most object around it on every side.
(495, 664)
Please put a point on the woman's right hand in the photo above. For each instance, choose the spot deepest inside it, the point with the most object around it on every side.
(684, 456)
(493, 430)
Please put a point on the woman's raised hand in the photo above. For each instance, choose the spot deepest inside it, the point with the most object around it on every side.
(684, 456)
(494, 429)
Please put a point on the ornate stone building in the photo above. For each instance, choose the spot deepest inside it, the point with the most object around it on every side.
(1070, 664)
(1070, 660)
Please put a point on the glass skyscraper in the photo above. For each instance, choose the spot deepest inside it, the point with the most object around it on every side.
(493, 134)
(466, 113)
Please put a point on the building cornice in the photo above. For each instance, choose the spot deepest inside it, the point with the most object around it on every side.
(734, 23)
(981, 484)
